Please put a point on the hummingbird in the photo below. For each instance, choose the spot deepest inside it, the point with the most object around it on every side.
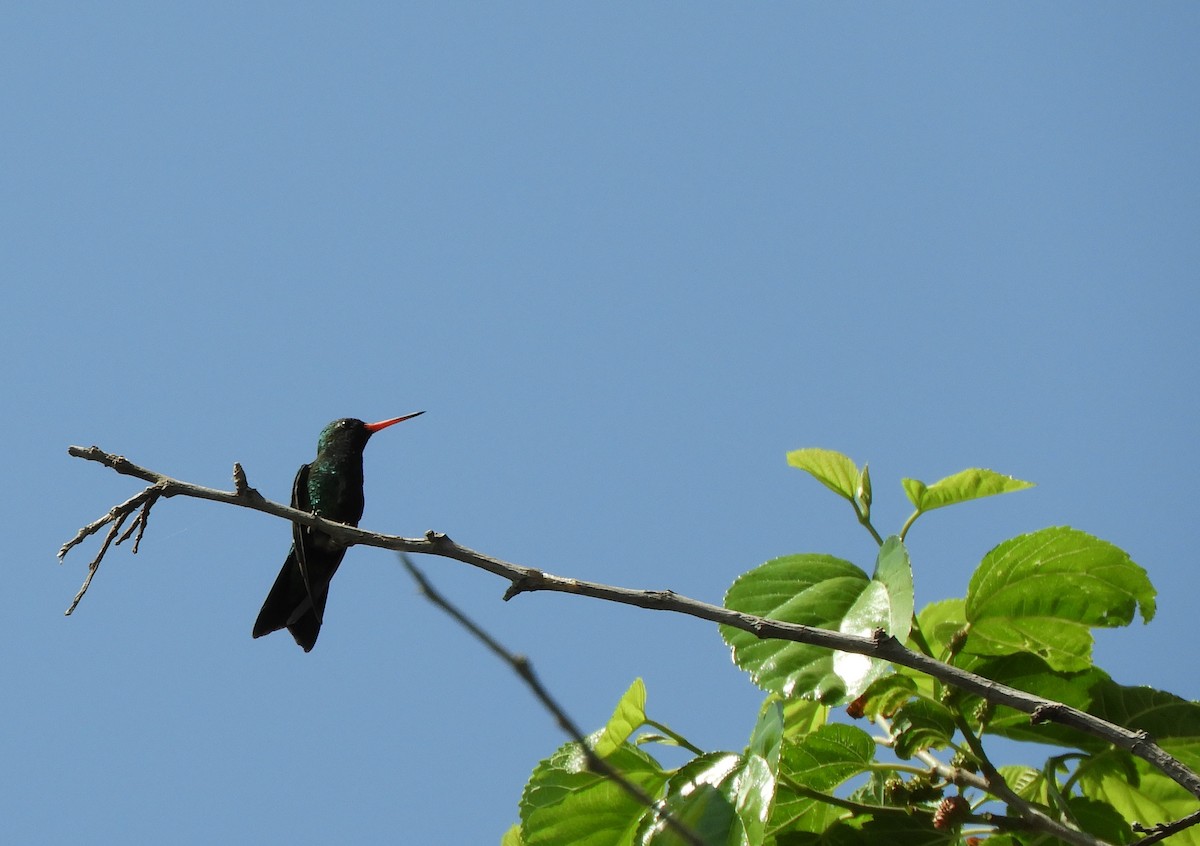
(331, 486)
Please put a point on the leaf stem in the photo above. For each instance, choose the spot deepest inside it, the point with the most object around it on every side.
(865, 520)
(674, 735)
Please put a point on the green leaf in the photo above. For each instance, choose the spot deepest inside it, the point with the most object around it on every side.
(1172, 721)
(885, 696)
(885, 603)
(512, 837)
(1149, 797)
(801, 813)
(1026, 782)
(921, 724)
(1100, 819)
(801, 717)
(892, 829)
(1032, 674)
(819, 590)
(832, 469)
(565, 803)
(894, 571)
(707, 812)
(961, 487)
(755, 798)
(630, 713)
(941, 621)
(828, 757)
(723, 797)
(767, 737)
(815, 590)
(1042, 592)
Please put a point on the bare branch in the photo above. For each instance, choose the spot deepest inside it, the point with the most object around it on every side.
(528, 579)
(116, 517)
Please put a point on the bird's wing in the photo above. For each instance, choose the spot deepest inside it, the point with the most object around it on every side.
(300, 502)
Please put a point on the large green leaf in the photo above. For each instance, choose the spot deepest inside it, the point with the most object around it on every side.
(1172, 721)
(1043, 592)
(512, 837)
(961, 487)
(827, 592)
(814, 590)
(565, 803)
(1032, 674)
(630, 713)
(835, 471)
(886, 603)
(829, 756)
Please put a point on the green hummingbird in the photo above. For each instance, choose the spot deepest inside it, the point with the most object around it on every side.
(331, 486)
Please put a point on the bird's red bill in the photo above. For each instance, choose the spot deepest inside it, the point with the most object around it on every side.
(383, 424)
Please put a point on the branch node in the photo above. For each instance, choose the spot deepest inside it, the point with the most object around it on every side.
(1046, 713)
(529, 581)
(659, 598)
(240, 486)
(1141, 738)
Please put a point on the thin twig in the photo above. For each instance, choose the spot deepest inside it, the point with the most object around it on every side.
(526, 579)
(524, 669)
(116, 517)
(1161, 831)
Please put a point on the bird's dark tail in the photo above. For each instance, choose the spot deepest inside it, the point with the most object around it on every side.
(288, 604)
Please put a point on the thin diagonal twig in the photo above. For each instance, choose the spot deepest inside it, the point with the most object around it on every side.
(521, 666)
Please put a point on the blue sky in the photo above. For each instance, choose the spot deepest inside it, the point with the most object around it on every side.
(626, 256)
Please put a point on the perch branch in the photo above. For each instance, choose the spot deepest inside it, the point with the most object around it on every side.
(527, 579)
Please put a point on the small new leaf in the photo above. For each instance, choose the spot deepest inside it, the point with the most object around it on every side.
(961, 487)
(630, 713)
(864, 490)
(832, 469)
